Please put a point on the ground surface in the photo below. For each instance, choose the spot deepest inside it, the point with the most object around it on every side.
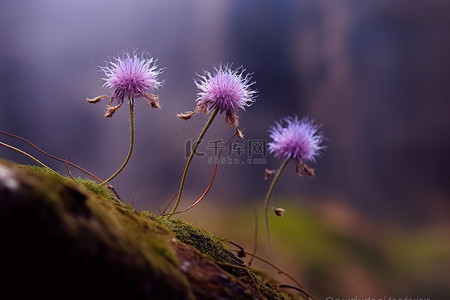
(66, 239)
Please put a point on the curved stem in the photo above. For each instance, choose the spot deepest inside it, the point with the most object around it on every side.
(28, 155)
(194, 149)
(266, 204)
(131, 144)
(51, 155)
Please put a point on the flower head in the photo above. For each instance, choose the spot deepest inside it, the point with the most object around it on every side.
(299, 139)
(131, 76)
(226, 90)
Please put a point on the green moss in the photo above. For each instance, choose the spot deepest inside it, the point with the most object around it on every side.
(204, 241)
(215, 247)
(88, 184)
(122, 251)
(94, 187)
(100, 236)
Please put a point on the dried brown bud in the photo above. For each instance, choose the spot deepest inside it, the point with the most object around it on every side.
(279, 211)
(232, 120)
(152, 100)
(155, 104)
(268, 173)
(239, 133)
(96, 99)
(111, 110)
(186, 116)
(298, 169)
(309, 171)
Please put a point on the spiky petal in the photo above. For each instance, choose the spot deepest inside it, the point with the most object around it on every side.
(226, 89)
(131, 76)
(298, 139)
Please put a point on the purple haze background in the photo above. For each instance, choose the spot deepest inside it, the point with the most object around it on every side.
(374, 73)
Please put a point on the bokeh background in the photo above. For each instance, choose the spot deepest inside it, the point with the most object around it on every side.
(375, 74)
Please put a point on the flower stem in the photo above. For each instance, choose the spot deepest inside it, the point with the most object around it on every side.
(266, 204)
(194, 149)
(131, 144)
(28, 155)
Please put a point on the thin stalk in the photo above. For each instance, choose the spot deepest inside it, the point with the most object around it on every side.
(28, 155)
(209, 185)
(281, 271)
(131, 144)
(266, 204)
(51, 155)
(194, 149)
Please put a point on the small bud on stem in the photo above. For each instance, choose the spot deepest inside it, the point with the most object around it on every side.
(279, 211)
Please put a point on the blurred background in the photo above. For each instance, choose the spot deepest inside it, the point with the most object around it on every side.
(375, 74)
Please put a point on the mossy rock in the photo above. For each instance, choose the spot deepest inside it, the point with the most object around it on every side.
(65, 239)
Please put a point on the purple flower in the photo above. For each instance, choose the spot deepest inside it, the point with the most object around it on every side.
(226, 90)
(130, 77)
(299, 139)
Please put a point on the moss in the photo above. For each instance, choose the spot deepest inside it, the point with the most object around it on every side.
(92, 246)
(215, 248)
(88, 184)
(200, 239)
(94, 187)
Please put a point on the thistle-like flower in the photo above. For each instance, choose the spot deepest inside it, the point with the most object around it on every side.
(299, 140)
(225, 90)
(130, 77)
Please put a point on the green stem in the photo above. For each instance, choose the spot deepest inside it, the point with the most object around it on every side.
(266, 204)
(194, 149)
(28, 155)
(131, 145)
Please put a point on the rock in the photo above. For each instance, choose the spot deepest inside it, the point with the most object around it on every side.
(72, 239)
